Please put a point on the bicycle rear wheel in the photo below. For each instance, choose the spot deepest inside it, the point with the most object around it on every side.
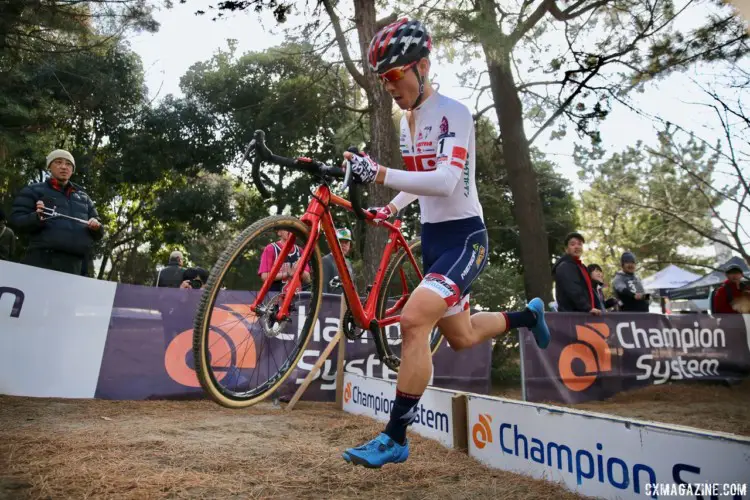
(242, 357)
(401, 279)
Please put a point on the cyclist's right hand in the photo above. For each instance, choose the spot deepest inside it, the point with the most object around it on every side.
(364, 169)
(381, 213)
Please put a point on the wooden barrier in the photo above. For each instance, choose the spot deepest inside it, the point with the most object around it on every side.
(339, 339)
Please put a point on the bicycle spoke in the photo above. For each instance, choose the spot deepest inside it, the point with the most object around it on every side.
(249, 352)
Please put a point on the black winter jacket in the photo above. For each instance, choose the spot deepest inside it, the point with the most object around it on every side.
(171, 276)
(63, 235)
(571, 290)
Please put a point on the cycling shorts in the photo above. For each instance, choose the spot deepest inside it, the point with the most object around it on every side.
(454, 253)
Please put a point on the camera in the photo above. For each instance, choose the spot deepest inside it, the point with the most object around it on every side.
(196, 276)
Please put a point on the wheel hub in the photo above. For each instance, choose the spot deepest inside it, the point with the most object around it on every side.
(272, 327)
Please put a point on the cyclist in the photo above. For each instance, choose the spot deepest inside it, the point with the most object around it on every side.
(437, 145)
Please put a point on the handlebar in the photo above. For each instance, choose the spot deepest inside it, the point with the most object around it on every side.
(262, 153)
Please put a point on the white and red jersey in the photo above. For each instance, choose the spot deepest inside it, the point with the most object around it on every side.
(439, 160)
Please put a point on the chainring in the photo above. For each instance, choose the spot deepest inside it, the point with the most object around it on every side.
(350, 328)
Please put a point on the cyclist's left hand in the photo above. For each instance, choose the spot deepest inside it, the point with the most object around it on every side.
(364, 168)
(380, 214)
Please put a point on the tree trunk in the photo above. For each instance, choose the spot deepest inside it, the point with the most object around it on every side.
(105, 260)
(383, 146)
(527, 205)
(10, 13)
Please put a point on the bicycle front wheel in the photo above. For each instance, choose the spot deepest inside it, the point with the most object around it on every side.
(401, 279)
(243, 356)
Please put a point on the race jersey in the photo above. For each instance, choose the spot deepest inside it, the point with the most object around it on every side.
(443, 148)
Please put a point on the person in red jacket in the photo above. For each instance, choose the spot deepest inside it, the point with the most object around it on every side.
(733, 295)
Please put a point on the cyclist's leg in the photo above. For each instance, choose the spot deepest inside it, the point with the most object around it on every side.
(462, 267)
(463, 330)
(426, 305)
(423, 309)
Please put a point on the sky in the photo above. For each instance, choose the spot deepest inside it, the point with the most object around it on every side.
(185, 38)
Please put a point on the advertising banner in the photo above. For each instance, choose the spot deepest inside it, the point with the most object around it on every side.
(53, 327)
(594, 358)
(601, 456)
(70, 336)
(148, 353)
(375, 398)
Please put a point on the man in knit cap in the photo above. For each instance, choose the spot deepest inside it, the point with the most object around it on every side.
(628, 287)
(57, 242)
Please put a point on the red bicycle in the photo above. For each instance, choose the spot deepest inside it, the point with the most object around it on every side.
(251, 329)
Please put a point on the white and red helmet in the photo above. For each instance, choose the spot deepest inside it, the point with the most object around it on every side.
(398, 44)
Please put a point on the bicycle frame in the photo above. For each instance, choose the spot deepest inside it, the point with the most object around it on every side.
(317, 217)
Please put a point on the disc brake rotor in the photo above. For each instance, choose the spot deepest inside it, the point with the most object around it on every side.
(272, 327)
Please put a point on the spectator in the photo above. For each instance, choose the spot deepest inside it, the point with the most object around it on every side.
(330, 271)
(171, 276)
(573, 288)
(597, 282)
(733, 295)
(57, 243)
(194, 277)
(271, 252)
(7, 239)
(628, 287)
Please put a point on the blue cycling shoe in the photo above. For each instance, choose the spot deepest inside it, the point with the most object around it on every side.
(378, 452)
(540, 330)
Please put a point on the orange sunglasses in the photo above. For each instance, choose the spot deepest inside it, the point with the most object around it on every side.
(395, 74)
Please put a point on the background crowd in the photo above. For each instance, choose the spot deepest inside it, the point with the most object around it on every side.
(581, 288)
(62, 224)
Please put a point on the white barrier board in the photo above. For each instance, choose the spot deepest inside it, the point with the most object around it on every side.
(53, 327)
(374, 398)
(608, 457)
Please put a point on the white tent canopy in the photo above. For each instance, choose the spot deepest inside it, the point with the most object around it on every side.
(668, 278)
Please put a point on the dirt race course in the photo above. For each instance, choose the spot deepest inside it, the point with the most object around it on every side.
(52, 448)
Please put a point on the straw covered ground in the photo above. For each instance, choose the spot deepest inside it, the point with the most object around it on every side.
(52, 448)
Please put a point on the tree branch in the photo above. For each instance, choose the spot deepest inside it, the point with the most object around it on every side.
(341, 40)
(482, 111)
(708, 235)
(677, 161)
(728, 135)
(350, 108)
(568, 14)
(524, 86)
(529, 23)
(561, 109)
(382, 23)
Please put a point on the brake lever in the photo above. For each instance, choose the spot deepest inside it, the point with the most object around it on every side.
(348, 174)
(354, 192)
(250, 146)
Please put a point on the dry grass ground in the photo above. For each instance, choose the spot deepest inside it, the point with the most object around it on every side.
(712, 407)
(51, 448)
(80, 449)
